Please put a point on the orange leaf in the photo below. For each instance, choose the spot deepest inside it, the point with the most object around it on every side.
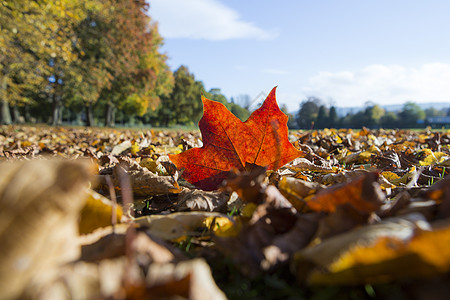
(388, 258)
(363, 193)
(229, 143)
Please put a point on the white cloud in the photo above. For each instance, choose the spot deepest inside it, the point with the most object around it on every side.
(203, 19)
(383, 84)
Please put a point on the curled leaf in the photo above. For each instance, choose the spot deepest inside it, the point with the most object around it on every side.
(389, 258)
(320, 264)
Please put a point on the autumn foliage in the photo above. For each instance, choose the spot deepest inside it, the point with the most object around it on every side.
(363, 214)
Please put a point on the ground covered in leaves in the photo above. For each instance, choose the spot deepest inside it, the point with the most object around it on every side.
(104, 214)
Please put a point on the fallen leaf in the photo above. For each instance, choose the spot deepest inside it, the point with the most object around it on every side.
(150, 164)
(363, 193)
(199, 283)
(39, 205)
(143, 182)
(440, 192)
(249, 186)
(432, 158)
(303, 164)
(97, 212)
(271, 236)
(120, 148)
(345, 176)
(177, 225)
(388, 258)
(152, 274)
(196, 200)
(314, 264)
(344, 218)
(387, 161)
(110, 243)
(296, 190)
(229, 143)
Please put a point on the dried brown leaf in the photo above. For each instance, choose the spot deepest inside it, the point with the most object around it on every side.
(363, 193)
(197, 200)
(39, 206)
(272, 235)
(143, 182)
(318, 259)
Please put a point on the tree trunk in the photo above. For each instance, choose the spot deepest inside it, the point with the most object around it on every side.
(26, 114)
(60, 115)
(16, 115)
(5, 115)
(78, 118)
(131, 121)
(89, 115)
(110, 115)
(56, 115)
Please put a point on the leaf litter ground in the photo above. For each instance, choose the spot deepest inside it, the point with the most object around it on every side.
(362, 214)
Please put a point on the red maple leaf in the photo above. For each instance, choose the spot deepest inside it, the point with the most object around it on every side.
(229, 143)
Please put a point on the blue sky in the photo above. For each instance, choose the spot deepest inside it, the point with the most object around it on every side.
(345, 52)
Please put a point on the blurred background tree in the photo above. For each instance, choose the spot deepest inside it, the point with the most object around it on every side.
(308, 112)
(81, 55)
(100, 61)
(410, 114)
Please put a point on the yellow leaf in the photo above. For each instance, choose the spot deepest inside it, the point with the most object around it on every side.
(389, 258)
(397, 180)
(26, 144)
(150, 164)
(223, 227)
(433, 158)
(390, 176)
(134, 149)
(176, 226)
(248, 209)
(433, 248)
(97, 213)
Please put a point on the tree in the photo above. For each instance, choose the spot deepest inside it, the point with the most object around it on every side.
(35, 38)
(119, 61)
(216, 95)
(183, 105)
(150, 78)
(291, 121)
(389, 120)
(239, 111)
(369, 117)
(58, 20)
(373, 115)
(243, 101)
(410, 114)
(308, 112)
(322, 118)
(359, 119)
(17, 58)
(333, 118)
(433, 112)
